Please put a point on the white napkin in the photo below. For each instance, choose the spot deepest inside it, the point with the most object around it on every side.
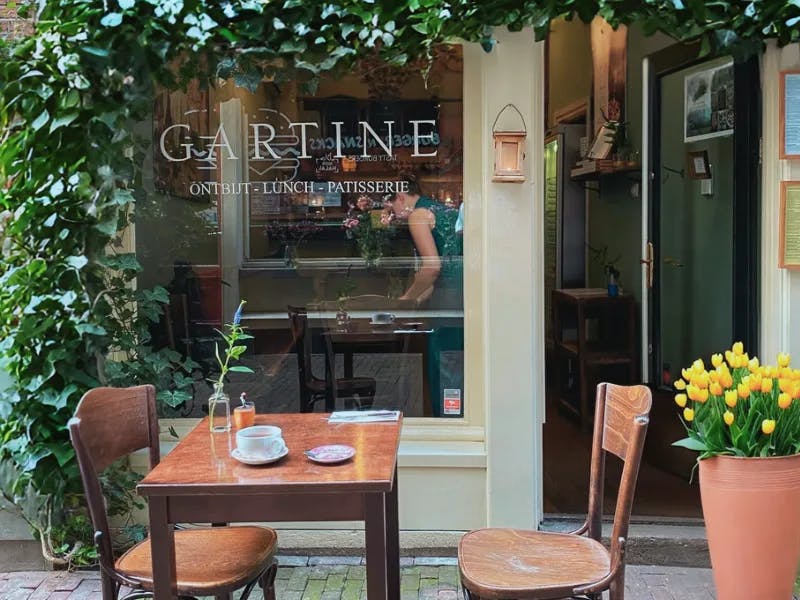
(363, 416)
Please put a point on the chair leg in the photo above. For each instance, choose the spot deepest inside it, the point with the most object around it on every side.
(616, 590)
(469, 595)
(267, 581)
(109, 587)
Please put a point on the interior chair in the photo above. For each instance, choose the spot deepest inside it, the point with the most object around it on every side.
(502, 564)
(313, 389)
(211, 561)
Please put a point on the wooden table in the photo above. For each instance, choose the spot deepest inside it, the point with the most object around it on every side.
(199, 482)
(615, 344)
(362, 337)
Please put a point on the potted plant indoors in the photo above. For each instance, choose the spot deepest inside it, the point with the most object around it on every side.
(744, 420)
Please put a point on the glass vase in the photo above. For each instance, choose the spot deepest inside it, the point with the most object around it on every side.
(219, 410)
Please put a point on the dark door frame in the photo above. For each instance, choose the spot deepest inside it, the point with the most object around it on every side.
(746, 200)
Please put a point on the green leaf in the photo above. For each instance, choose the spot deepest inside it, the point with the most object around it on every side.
(241, 369)
(41, 120)
(62, 121)
(691, 444)
(111, 20)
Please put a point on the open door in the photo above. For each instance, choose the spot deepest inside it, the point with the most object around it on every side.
(700, 217)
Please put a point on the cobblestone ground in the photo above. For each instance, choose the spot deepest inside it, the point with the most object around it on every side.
(343, 578)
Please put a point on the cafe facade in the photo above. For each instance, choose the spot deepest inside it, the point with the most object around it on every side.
(247, 189)
(250, 193)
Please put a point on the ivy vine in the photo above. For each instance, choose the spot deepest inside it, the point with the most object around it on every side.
(70, 96)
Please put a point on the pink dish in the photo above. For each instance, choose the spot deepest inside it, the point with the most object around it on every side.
(334, 453)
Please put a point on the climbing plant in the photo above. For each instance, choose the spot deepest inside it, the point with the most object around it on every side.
(70, 96)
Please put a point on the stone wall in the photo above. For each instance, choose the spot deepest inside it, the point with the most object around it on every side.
(11, 24)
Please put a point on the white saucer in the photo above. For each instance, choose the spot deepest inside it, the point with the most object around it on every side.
(381, 323)
(330, 454)
(258, 460)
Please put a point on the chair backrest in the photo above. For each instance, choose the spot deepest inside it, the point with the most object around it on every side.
(109, 424)
(620, 425)
(298, 320)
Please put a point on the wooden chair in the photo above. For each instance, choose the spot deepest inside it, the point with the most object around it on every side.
(109, 424)
(312, 388)
(515, 563)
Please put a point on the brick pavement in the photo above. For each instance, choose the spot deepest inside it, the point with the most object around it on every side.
(343, 578)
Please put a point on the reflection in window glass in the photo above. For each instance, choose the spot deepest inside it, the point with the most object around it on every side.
(337, 215)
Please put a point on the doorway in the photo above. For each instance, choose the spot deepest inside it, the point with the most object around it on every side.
(665, 205)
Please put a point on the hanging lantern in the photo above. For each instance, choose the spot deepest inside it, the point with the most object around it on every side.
(509, 151)
(348, 164)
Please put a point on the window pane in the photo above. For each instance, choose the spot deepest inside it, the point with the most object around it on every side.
(345, 203)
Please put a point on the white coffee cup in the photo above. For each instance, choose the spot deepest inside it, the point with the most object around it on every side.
(383, 318)
(261, 441)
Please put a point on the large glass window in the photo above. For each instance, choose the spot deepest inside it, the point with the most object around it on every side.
(342, 206)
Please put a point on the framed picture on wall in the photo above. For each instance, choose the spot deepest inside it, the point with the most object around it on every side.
(790, 114)
(697, 163)
(708, 103)
(789, 231)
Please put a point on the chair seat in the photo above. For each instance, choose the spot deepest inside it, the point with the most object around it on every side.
(516, 563)
(207, 560)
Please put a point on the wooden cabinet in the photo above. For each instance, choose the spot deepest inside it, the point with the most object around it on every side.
(594, 340)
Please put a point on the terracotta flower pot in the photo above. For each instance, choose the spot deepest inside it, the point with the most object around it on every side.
(751, 508)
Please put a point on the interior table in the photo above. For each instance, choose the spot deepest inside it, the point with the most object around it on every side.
(362, 337)
(199, 482)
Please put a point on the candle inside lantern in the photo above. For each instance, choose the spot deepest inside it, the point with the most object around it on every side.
(245, 414)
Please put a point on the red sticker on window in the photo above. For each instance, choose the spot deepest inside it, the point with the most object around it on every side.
(452, 402)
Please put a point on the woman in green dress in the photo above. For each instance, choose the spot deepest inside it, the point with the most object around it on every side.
(433, 229)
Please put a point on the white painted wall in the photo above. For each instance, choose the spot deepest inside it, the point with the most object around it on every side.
(513, 261)
(780, 288)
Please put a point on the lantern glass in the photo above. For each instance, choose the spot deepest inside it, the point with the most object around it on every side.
(508, 155)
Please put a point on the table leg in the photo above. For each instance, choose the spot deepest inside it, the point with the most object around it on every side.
(377, 551)
(162, 544)
(393, 542)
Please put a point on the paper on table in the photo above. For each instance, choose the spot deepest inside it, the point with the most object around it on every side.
(363, 416)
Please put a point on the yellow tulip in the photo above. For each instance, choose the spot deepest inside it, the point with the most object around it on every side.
(691, 391)
(680, 384)
(784, 400)
(731, 396)
(785, 373)
(726, 380)
(680, 400)
(773, 372)
(688, 414)
(687, 374)
(743, 361)
(796, 374)
(730, 357)
(716, 360)
(702, 380)
(785, 385)
(698, 366)
(743, 389)
(796, 390)
(768, 426)
(715, 389)
(738, 348)
(766, 385)
(783, 360)
(702, 395)
(755, 382)
(753, 365)
(728, 417)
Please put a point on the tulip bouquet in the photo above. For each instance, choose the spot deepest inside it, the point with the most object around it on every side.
(740, 407)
